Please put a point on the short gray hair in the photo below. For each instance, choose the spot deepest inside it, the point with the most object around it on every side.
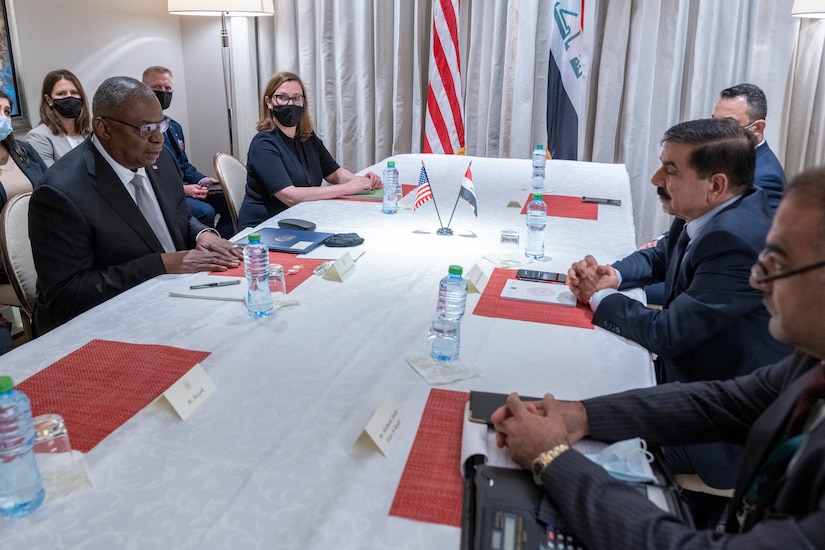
(112, 98)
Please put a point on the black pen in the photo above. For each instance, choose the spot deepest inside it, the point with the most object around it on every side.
(214, 285)
(614, 202)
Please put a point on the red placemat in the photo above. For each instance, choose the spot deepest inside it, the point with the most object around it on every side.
(405, 189)
(103, 384)
(492, 305)
(562, 206)
(289, 261)
(431, 488)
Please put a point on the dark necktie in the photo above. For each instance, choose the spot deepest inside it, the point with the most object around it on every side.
(152, 214)
(813, 391)
(675, 264)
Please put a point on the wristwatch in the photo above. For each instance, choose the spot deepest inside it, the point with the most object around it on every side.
(545, 458)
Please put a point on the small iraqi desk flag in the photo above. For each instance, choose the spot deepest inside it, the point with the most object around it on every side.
(468, 190)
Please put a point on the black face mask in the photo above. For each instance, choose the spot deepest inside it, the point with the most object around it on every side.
(287, 115)
(165, 98)
(68, 107)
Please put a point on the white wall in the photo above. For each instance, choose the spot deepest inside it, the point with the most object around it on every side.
(96, 39)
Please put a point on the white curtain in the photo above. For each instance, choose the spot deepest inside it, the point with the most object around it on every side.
(648, 65)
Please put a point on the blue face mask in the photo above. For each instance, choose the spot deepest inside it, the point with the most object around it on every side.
(5, 127)
(628, 460)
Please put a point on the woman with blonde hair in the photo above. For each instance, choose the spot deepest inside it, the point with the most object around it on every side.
(287, 162)
(64, 117)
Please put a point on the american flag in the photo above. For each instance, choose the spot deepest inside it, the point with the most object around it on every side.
(423, 193)
(444, 124)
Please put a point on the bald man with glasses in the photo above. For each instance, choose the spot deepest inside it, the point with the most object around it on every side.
(112, 214)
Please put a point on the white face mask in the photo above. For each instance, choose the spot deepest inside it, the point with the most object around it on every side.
(628, 460)
(5, 127)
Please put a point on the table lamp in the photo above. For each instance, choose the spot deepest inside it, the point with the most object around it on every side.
(224, 8)
(814, 9)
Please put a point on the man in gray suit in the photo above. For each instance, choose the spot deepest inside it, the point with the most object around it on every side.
(776, 411)
(111, 213)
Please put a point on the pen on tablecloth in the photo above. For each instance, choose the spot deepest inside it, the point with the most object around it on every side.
(215, 285)
(614, 202)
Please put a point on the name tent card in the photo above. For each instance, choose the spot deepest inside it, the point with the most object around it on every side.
(189, 393)
(476, 279)
(341, 269)
(384, 424)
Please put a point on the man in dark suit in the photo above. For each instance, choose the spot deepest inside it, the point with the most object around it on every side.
(203, 203)
(111, 214)
(712, 325)
(776, 411)
(748, 106)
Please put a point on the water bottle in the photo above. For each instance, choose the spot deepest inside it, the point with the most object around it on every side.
(391, 189)
(536, 222)
(21, 488)
(256, 269)
(446, 329)
(539, 161)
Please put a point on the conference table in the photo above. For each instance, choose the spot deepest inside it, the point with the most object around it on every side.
(273, 458)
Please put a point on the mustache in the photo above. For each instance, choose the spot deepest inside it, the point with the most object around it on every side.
(662, 193)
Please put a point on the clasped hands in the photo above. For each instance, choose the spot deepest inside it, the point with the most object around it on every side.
(586, 277)
(529, 428)
(212, 253)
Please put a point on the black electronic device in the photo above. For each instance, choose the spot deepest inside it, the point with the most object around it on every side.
(541, 276)
(294, 223)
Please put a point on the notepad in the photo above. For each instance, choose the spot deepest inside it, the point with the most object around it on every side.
(545, 293)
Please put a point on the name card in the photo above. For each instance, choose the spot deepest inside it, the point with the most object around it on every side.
(476, 279)
(384, 425)
(341, 269)
(189, 393)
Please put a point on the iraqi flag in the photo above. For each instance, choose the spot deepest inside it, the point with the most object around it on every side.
(563, 78)
(468, 191)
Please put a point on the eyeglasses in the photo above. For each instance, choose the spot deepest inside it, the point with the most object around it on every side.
(145, 130)
(760, 270)
(281, 99)
(749, 125)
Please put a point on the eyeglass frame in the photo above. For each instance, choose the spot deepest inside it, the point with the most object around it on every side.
(283, 99)
(145, 130)
(761, 281)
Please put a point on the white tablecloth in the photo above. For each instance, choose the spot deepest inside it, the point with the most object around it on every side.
(269, 460)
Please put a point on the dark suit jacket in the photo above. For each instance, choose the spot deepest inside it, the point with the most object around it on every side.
(173, 138)
(90, 242)
(713, 325)
(769, 175)
(33, 167)
(751, 409)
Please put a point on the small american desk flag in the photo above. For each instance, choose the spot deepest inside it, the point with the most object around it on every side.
(423, 193)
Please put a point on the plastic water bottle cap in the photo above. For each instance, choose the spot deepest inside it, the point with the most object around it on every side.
(6, 384)
(390, 164)
(537, 196)
(456, 270)
(540, 146)
(254, 238)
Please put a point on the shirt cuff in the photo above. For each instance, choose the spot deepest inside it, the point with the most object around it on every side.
(202, 231)
(600, 295)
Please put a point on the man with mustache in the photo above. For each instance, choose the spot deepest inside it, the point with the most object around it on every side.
(713, 324)
(111, 213)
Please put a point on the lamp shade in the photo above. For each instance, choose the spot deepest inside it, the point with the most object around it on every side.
(232, 8)
(814, 9)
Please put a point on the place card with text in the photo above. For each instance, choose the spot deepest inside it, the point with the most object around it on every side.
(341, 269)
(190, 391)
(384, 425)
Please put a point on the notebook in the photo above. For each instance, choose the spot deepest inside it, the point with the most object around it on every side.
(293, 241)
(532, 291)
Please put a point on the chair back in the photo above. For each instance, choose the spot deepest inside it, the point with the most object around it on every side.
(17, 254)
(232, 175)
